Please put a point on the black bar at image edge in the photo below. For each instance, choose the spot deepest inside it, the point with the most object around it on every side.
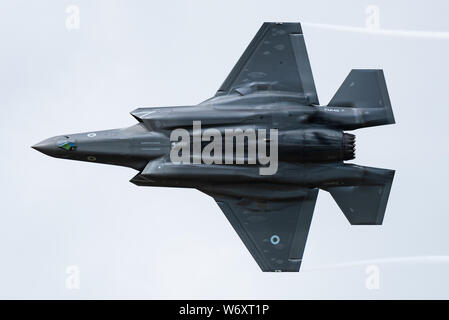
(220, 309)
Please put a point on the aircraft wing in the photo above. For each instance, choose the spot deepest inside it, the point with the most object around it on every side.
(274, 231)
(276, 59)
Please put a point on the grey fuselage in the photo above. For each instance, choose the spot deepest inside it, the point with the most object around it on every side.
(311, 143)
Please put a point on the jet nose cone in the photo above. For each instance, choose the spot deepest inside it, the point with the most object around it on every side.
(47, 147)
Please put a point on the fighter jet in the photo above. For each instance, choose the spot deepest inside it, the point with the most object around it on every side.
(262, 147)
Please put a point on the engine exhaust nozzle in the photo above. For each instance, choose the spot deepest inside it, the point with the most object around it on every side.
(348, 146)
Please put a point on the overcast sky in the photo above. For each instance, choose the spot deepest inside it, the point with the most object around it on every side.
(80, 230)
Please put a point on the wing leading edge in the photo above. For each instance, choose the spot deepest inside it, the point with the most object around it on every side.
(276, 59)
(274, 231)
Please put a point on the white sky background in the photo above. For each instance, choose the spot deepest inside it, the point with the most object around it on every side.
(131, 242)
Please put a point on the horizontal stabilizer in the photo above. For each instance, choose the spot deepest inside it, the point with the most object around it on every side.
(366, 91)
(364, 204)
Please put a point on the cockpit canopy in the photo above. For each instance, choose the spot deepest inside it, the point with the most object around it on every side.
(67, 145)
